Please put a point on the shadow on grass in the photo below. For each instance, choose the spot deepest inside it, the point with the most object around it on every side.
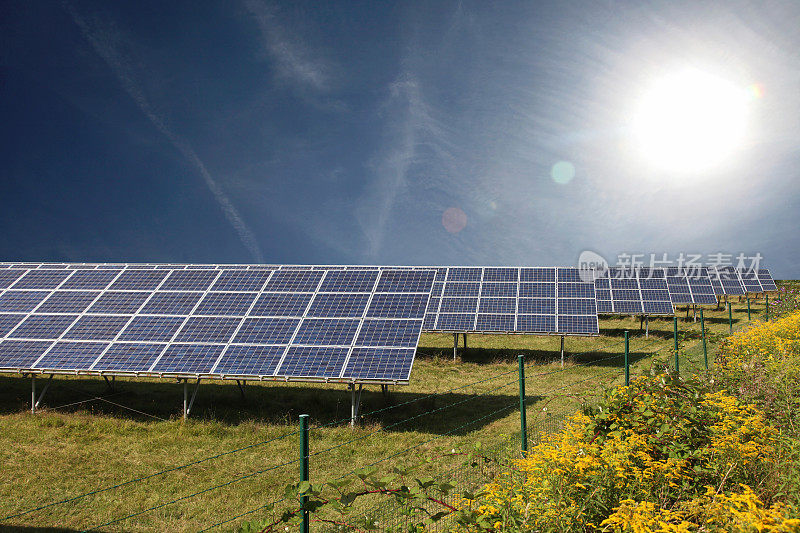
(595, 358)
(152, 401)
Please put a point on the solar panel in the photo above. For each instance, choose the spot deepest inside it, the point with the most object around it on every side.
(689, 285)
(512, 300)
(767, 283)
(251, 321)
(726, 280)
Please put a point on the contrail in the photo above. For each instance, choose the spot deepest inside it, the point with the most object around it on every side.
(103, 42)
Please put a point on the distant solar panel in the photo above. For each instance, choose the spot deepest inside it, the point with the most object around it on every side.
(226, 321)
(555, 301)
(725, 280)
(765, 278)
(632, 292)
(688, 285)
(750, 281)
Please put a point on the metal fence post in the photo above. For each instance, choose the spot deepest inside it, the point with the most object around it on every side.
(304, 465)
(703, 333)
(730, 318)
(748, 308)
(627, 365)
(767, 300)
(675, 340)
(522, 415)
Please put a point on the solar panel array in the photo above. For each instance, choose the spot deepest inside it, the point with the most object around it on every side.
(726, 280)
(213, 321)
(512, 300)
(765, 278)
(688, 285)
(632, 291)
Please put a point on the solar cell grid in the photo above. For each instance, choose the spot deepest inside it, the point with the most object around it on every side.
(21, 301)
(241, 280)
(71, 356)
(371, 363)
(405, 281)
(41, 279)
(21, 354)
(97, 327)
(313, 362)
(189, 280)
(151, 328)
(138, 280)
(208, 329)
(338, 305)
(397, 305)
(403, 333)
(241, 360)
(498, 306)
(188, 358)
(322, 332)
(349, 281)
(9, 322)
(8, 277)
(119, 302)
(495, 322)
(171, 303)
(281, 304)
(90, 279)
(267, 330)
(42, 327)
(294, 281)
(458, 305)
(129, 357)
(226, 303)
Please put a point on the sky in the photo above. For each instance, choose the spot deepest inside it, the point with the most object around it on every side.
(409, 133)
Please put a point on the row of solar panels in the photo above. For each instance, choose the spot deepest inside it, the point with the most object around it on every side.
(290, 322)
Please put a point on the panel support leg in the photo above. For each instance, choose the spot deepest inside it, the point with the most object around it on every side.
(646, 326)
(34, 400)
(562, 351)
(641, 323)
(355, 399)
(187, 403)
(109, 383)
(240, 384)
(455, 346)
(694, 308)
(465, 342)
(385, 390)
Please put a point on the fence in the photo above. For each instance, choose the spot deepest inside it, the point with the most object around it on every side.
(688, 353)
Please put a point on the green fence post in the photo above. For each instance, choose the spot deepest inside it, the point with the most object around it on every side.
(767, 297)
(522, 416)
(703, 334)
(304, 465)
(675, 340)
(627, 367)
(748, 308)
(730, 318)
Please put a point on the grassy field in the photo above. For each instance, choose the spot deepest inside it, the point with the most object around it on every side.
(86, 437)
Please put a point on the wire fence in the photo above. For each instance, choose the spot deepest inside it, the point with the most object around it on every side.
(487, 400)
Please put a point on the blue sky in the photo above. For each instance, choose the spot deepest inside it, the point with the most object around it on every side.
(408, 133)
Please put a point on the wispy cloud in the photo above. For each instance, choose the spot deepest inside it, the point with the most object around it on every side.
(294, 60)
(109, 44)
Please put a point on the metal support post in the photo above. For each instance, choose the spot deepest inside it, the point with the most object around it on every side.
(241, 384)
(703, 334)
(641, 323)
(748, 308)
(109, 383)
(522, 414)
(766, 297)
(562, 351)
(675, 341)
(646, 326)
(694, 308)
(304, 466)
(465, 342)
(187, 402)
(730, 318)
(627, 367)
(455, 346)
(355, 402)
(34, 400)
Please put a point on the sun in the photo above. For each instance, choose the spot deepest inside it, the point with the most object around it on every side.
(690, 122)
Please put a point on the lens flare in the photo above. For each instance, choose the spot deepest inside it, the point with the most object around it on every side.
(454, 219)
(562, 172)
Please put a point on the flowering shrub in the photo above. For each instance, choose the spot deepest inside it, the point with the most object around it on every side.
(787, 301)
(661, 455)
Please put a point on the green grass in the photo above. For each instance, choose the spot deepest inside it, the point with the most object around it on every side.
(65, 451)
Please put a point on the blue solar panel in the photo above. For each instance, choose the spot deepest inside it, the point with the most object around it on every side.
(90, 279)
(151, 328)
(576, 290)
(576, 324)
(250, 360)
(330, 331)
(171, 303)
(42, 327)
(129, 357)
(462, 289)
(241, 280)
(71, 356)
(767, 283)
(576, 306)
(67, 302)
(465, 274)
(349, 281)
(397, 305)
(21, 354)
(7, 277)
(119, 302)
(405, 281)
(537, 274)
(402, 333)
(310, 361)
(495, 322)
(41, 279)
(498, 306)
(500, 274)
(188, 359)
(633, 307)
(537, 306)
(455, 322)
(208, 329)
(536, 323)
(372, 363)
(295, 281)
(267, 330)
(226, 303)
(429, 322)
(189, 280)
(658, 308)
(97, 327)
(21, 301)
(458, 305)
(9, 322)
(537, 290)
(499, 290)
(281, 304)
(139, 280)
(338, 305)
